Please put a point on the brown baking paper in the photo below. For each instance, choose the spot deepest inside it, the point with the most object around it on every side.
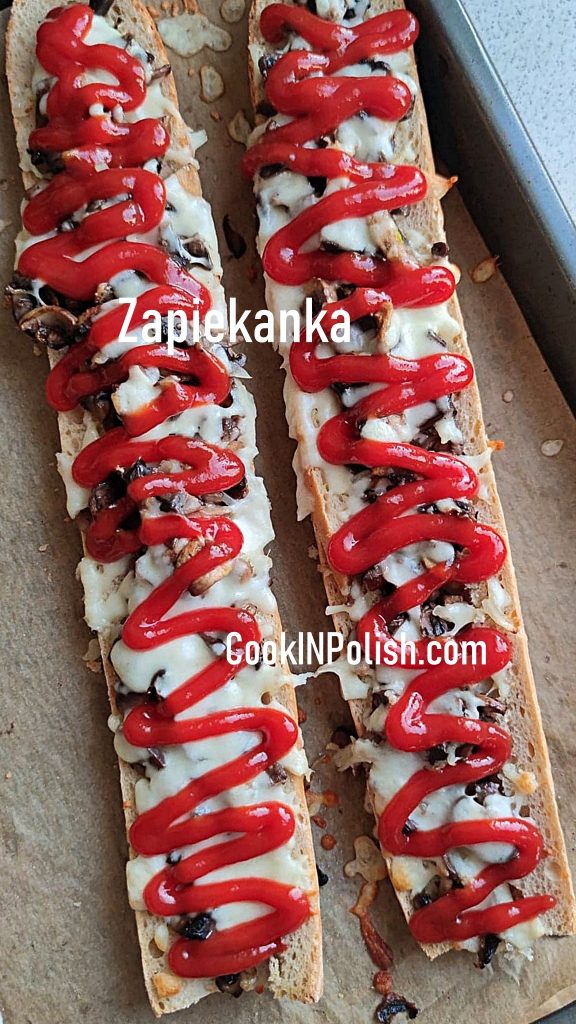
(68, 949)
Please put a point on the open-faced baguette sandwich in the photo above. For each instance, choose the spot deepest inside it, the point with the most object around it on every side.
(393, 464)
(158, 443)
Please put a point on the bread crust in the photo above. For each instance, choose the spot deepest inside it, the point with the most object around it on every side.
(297, 973)
(524, 721)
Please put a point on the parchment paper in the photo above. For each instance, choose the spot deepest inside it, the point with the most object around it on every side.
(68, 949)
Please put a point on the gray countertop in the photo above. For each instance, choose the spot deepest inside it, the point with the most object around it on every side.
(531, 44)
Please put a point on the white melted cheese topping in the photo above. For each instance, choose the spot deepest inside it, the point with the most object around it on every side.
(114, 590)
(410, 333)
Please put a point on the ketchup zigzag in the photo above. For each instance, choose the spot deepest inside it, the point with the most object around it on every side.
(85, 142)
(318, 105)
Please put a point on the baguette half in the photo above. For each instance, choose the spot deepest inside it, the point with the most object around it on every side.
(296, 973)
(319, 497)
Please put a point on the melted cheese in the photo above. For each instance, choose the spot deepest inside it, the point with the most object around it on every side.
(112, 591)
(412, 334)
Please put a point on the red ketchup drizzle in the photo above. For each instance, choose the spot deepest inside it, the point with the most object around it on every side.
(84, 141)
(206, 469)
(319, 105)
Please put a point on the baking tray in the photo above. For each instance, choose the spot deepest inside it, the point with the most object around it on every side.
(477, 133)
(454, 58)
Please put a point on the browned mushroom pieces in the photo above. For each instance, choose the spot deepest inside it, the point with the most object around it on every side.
(234, 240)
(229, 983)
(277, 773)
(162, 72)
(103, 293)
(203, 583)
(20, 301)
(488, 945)
(49, 325)
(200, 585)
(196, 248)
(392, 1005)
